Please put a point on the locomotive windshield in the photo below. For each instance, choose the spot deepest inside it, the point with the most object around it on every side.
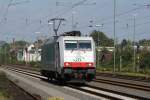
(84, 44)
(81, 44)
(70, 45)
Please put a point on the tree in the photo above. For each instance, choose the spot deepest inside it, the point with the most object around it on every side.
(124, 43)
(127, 54)
(4, 53)
(145, 59)
(144, 42)
(19, 44)
(104, 40)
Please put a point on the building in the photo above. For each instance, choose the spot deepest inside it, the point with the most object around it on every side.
(110, 49)
(29, 54)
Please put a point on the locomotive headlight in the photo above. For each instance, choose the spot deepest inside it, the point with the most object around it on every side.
(67, 64)
(90, 64)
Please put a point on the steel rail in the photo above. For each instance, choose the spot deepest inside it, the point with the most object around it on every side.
(120, 93)
(107, 81)
(134, 78)
(124, 84)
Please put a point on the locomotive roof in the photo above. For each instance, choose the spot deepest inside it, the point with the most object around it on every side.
(72, 33)
(74, 38)
(61, 38)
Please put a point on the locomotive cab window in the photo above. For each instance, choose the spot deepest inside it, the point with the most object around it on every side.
(84, 45)
(70, 45)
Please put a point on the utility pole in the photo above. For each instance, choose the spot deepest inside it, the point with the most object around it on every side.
(55, 20)
(5, 55)
(120, 63)
(98, 43)
(114, 36)
(134, 64)
(138, 58)
(14, 50)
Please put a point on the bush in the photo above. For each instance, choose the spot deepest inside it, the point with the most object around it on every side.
(145, 60)
(34, 64)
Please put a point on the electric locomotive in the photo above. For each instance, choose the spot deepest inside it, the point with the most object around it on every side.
(69, 57)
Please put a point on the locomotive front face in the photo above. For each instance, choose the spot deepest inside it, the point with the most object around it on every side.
(79, 58)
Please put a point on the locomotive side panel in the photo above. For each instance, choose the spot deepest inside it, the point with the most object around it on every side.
(48, 57)
(62, 49)
(51, 60)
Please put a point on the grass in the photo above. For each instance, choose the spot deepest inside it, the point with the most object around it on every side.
(4, 84)
(55, 98)
(124, 71)
(3, 97)
(134, 74)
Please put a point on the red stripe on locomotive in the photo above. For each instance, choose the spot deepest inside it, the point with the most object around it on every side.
(78, 64)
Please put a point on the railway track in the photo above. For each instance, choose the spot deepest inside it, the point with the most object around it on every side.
(107, 81)
(86, 88)
(124, 84)
(119, 76)
(110, 75)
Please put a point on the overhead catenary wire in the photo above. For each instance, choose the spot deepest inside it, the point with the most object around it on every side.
(19, 2)
(81, 2)
(58, 14)
(126, 12)
(61, 13)
(122, 13)
(4, 17)
(105, 21)
(10, 3)
(2, 7)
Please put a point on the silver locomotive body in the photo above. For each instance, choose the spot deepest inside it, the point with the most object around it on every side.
(69, 58)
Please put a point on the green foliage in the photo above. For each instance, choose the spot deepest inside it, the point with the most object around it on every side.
(124, 51)
(124, 43)
(104, 50)
(124, 59)
(4, 53)
(127, 54)
(34, 64)
(21, 63)
(104, 40)
(20, 44)
(145, 59)
(4, 84)
(144, 42)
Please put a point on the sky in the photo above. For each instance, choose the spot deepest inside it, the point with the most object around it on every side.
(28, 19)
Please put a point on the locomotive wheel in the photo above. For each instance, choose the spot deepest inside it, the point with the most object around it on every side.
(50, 77)
(56, 76)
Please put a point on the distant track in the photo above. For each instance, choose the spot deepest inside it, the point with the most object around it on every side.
(124, 84)
(115, 75)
